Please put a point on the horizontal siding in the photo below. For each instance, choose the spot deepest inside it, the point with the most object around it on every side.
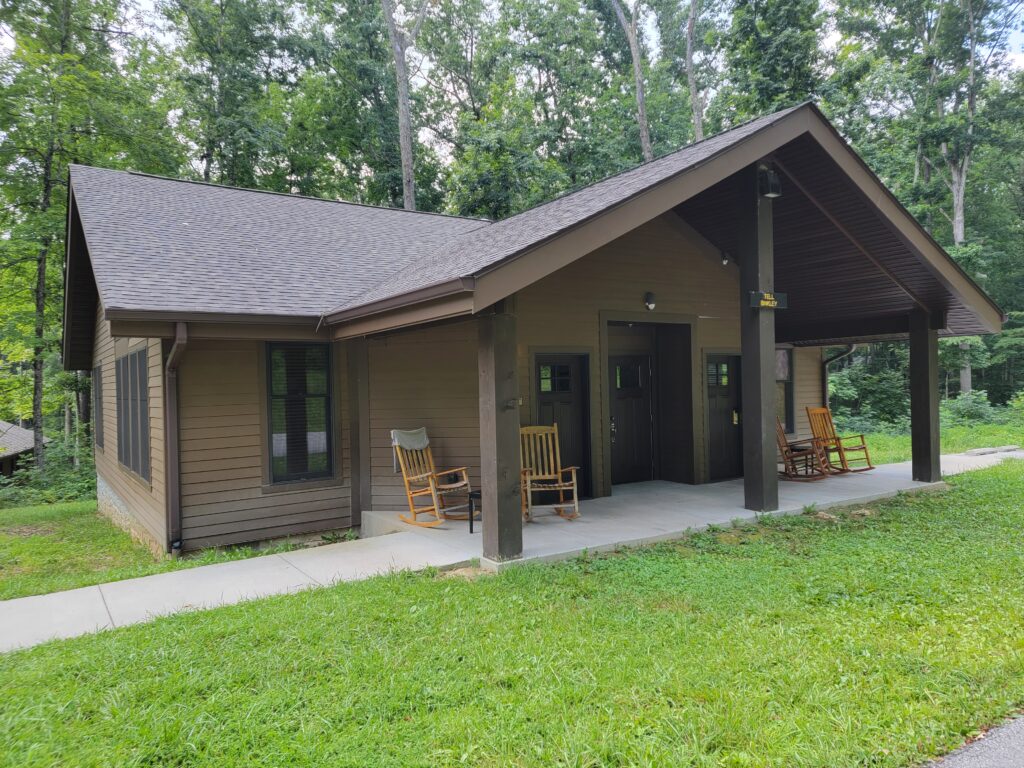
(563, 309)
(223, 448)
(806, 386)
(423, 378)
(140, 504)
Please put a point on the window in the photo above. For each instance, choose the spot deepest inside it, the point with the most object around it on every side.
(97, 406)
(132, 382)
(784, 388)
(556, 378)
(627, 376)
(299, 388)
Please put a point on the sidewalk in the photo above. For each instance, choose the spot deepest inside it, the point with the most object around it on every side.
(28, 621)
(1002, 747)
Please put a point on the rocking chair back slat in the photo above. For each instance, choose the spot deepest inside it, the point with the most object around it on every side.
(539, 453)
(822, 426)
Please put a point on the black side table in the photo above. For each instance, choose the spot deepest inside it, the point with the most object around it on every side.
(474, 497)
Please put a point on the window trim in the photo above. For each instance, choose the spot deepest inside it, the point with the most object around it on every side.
(331, 476)
(97, 406)
(789, 407)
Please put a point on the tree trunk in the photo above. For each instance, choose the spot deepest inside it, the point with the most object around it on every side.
(958, 188)
(39, 347)
(399, 43)
(629, 26)
(696, 98)
(966, 384)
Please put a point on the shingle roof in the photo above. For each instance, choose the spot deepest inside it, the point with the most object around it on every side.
(14, 439)
(482, 248)
(160, 244)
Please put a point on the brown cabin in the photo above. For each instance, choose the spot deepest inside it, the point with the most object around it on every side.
(250, 351)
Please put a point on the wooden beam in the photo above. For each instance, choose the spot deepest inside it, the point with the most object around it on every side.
(499, 438)
(358, 361)
(757, 336)
(794, 329)
(924, 398)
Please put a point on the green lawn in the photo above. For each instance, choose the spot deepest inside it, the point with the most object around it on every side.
(63, 546)
(886, 449)
(872, 640)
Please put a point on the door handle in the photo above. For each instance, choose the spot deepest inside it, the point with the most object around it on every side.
(612, 430)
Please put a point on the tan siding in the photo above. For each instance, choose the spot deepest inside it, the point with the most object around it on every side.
(806, 385)
(563, 310)
(135, 503)
(225, 498)
(423, 378)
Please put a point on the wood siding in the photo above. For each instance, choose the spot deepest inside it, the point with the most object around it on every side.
(564, 309)
(425, 377)
(226, 497)
(132, 502)
(806, 386)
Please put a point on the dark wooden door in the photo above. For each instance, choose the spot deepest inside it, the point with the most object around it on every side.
(675, 404)
(725, 417)
(632, 432)
(563, 393)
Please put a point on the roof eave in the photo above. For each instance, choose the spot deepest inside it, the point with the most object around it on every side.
(448, 288)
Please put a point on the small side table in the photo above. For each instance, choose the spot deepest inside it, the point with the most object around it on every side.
(474, 497)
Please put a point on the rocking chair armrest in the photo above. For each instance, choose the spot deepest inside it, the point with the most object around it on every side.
(451, 471)
(424, 476)
(806, 441)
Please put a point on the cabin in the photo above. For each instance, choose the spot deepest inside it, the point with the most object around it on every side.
(251, 351)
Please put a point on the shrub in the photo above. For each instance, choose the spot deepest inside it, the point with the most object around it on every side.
(969, 408)
(59, 481)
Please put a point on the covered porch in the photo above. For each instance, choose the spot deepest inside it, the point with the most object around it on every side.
(638, 514)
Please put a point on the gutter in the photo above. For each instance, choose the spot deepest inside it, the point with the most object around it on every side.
(171, 438)
(824, 370)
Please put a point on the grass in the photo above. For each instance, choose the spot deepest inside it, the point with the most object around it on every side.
(63, 546)
(870, 640)
(886, 449)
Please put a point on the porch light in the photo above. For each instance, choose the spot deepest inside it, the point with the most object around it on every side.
(769, 182)
(649, 301)
(725, 259)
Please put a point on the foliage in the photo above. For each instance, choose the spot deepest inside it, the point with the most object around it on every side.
(796, 641)
(968, 408)
(59, 480)
(55, 547)
(892, 446)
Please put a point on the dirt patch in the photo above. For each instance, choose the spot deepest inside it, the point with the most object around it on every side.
(826, 517)
(25, 531)
(469, 573)
(862, 513)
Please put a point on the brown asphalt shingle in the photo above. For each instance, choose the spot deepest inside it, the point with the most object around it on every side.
(14, 439)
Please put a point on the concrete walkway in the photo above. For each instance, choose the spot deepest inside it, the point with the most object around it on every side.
(1002, 747)
(634, 515)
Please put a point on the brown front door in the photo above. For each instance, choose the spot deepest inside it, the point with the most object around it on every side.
(632, 428)
(725, 423)
(562, 398)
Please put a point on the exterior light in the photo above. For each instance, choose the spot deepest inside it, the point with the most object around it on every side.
(725, 259)
(769, 183)
(649, 301)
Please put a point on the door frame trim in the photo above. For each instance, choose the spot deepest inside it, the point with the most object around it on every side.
(535, 351)
(705, 353)
(606, 316)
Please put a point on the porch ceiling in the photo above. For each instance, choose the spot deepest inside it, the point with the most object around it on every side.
(848, 273)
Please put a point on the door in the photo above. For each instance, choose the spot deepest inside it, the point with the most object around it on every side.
(632, 429)
(674, 409)
(725, 422)
(563, 394)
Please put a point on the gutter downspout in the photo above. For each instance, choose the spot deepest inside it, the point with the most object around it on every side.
(824, 370)
(173, 458)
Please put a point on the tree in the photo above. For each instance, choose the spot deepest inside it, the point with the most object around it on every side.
(70, 95)
(629, 28)
(401, 40)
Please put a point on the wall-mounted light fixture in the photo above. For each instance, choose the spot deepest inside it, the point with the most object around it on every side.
(725, 259)
(769, 183)
(649, 301)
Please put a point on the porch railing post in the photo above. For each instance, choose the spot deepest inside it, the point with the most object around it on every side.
(757, 336)
(499, 438)
(924, 397)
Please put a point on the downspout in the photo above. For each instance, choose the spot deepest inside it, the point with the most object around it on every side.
(173, 458)
(824, 370)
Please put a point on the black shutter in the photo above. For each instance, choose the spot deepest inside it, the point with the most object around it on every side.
(143, 435)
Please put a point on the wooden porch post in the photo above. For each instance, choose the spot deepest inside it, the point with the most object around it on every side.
(757, 335)
(359, 427)
(499, 438)
(924, 397)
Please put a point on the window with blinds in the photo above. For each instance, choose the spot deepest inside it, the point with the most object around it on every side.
(131, 378)
(299, 389)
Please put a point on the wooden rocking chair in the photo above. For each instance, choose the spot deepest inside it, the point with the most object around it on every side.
(802, 460)
(423, 481)
(542, 472)
(842, 454)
